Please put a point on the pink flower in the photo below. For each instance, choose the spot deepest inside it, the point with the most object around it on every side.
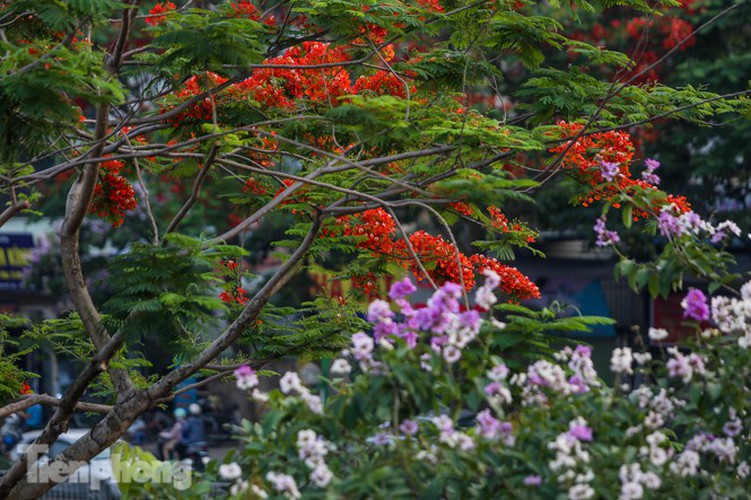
(409, 427)
(532, 480)
(488, 425)
(401, 289)
(609, 170)
(695, 305)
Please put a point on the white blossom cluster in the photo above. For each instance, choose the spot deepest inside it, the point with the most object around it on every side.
(312, 450)
(733, 316)
(290, 383)
(634, 481)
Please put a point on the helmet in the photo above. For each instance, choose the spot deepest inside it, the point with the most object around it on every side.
(194, 409)
(180, 413)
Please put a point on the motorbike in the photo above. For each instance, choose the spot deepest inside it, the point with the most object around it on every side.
(198, 455)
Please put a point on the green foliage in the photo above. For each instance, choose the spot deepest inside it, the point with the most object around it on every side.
(200, 41)
(12, 377)
(318, 329)
(166, 291)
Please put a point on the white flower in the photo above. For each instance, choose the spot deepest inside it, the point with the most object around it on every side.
(493, 280)
(650, 480)
(742, 470)
(340, 367)
(498, 373)
(291, 382)
(686, 464)
(746, 294)
(620, 361)
(284, 483)
(451, 354)
(654, 420)
(498, 324)
(230, 472)
(581, 492)
(642, 358)
(631, 490)
(259, 396)
(257, 492)
(485, 298)
(658, 456)
(247, 382)
(321, 475)
(425, 362)
(314, 403)
(241, 486)
(658, 334)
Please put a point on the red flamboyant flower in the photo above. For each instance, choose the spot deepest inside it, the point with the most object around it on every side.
(376, 232)
(236, 295)
(113, 194)
(584, 157)
(158, 14)
(26, 389)
(246, 9)
(252, 186)
(463, 208)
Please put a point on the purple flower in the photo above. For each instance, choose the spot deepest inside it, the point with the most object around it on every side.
(695, 305)
(384, 329)
(583, 350)
(401, 289)
(532, 480)
(609, 170)
(579, 430)
(409, 427)
(470, 319)
(379, 310)
(668, 224)
(488, 425)
(732, 428)
(578, 385)
(425, 318)
(605, 237)
(244, 371)
(492, 388)
(381, 439)
(648, 175)
(409, 336)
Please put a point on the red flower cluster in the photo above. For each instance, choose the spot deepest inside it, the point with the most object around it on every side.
(252, 186)
(513, 282)
(382, 83)
(585, 156)
(654, 35)
(498, 219)
(158, 14)
(281, 87)
(377, 233)
(196, 85)
(26, 389)
(246, 9)
(463, 208)
(233, 292)
(237, 295)
(113, 194)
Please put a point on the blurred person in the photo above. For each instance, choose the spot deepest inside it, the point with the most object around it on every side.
(35, 417)
(193, 443)
(137, 432)
(12, 430)
(195, 429)
(170, 438)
